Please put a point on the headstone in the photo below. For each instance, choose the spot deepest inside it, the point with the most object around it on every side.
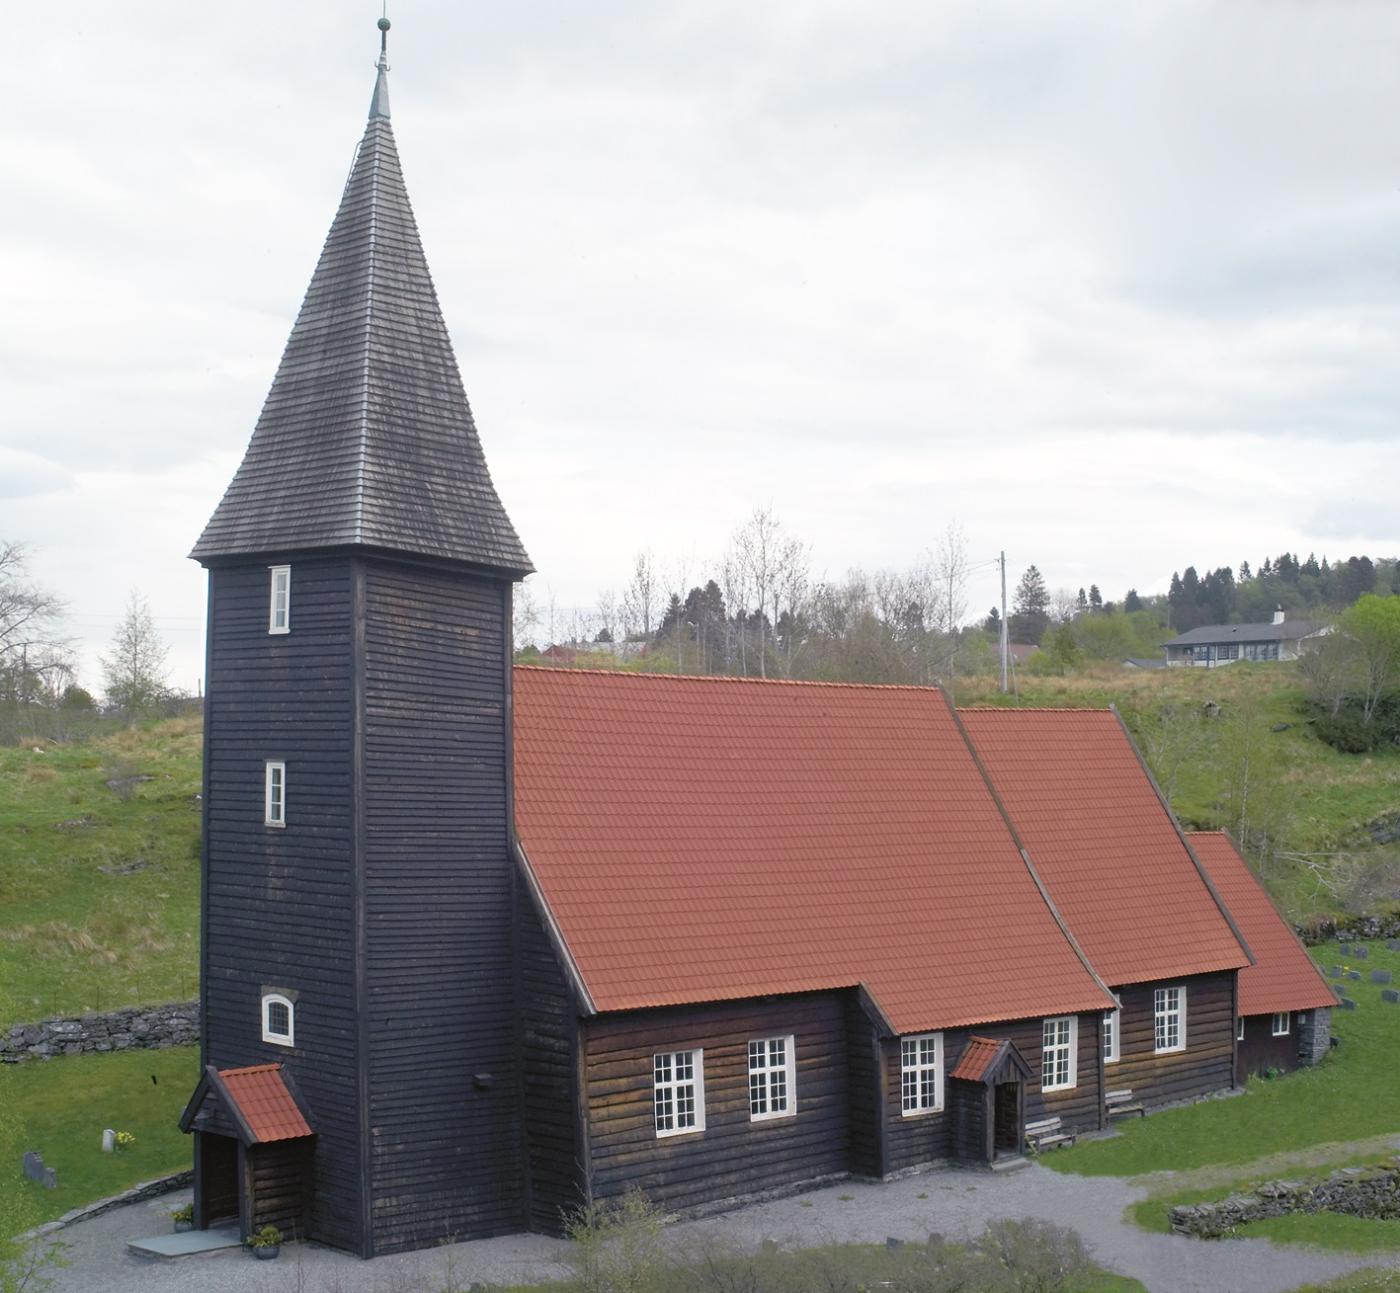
(1390, 995)
(1348, 1004)
(1335, 972)
(35, 1170)
(893, 1244)
(1360, 953)
(1380, 976)
(109, 1141)
(1392, 944)
(1354, 975)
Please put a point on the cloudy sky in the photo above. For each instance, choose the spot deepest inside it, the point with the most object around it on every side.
(1116, 287)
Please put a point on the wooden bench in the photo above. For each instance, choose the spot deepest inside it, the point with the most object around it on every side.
(1121, 1104)
(1047, 1133)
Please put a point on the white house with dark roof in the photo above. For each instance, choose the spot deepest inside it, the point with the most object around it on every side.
(1216, 644)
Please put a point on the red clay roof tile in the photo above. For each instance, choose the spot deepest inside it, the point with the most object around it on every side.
(980, 1055)
(1101, 839)
(267, 1106)
(699, 839)
(1283, 976)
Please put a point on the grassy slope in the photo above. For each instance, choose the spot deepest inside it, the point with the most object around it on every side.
(61, 1107)
(75, 937)
(1345, 1098)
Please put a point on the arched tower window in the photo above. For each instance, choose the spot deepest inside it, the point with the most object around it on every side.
(278, 1019)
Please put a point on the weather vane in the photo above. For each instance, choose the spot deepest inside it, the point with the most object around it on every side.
(384, 36)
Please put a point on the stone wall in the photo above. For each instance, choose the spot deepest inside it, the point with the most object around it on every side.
(1322, 928)
(1370, 1192)
(1314, 1034)
(134, 1028)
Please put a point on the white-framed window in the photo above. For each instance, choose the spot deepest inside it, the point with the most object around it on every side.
(278, 1019)
(678, 1092)
(1059, 1042)
(1112, 1028)
(275, 793)
(772, 1078)
(1239, 1028)
(279, 610)
(1283, 1024)
(921, 1073)
(1169, 1019)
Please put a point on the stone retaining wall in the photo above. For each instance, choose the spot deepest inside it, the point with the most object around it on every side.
(1371, 1192)
(133, 1028)
(1346, 928)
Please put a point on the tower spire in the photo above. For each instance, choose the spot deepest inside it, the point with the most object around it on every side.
(379, 104)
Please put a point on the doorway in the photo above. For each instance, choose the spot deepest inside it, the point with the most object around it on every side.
(217, 1185)
(1006, 1118)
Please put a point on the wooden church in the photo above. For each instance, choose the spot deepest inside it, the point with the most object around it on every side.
(481, 943)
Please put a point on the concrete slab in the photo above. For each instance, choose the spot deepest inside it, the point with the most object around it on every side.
(188, 1243)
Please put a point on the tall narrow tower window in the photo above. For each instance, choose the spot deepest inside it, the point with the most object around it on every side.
(275, 793)
(279, 613)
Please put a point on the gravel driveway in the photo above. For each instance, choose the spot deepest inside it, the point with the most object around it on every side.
(956, 1203)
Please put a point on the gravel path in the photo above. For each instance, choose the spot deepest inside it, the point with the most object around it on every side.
(955, 1203)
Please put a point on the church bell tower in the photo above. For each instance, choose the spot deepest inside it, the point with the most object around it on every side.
(361, 1079)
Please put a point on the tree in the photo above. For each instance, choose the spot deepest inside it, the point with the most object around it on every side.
(1095, 598)
(639, 601)
(992, 624)
(1031, 615)
(1373, 624)
(1081, 603)
(135, 671)
(1132, 602)
(772, 571)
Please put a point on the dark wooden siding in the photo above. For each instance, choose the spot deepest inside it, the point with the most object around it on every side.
(549, 1027)
(733, 1156)
(280, 902)
(863, 1068)
(1261, 1050)
(1207, 1063)
(928, 1137)
(443, 1082)
(967, 1102)
(278, 1181)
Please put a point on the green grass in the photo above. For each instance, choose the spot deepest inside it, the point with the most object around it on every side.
(1368, 1281)
(99, 888)
(1329, 1230)
(60, 1108)
(1346, 1098)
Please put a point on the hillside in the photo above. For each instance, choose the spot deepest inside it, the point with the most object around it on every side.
(99, 870)
(99, 841)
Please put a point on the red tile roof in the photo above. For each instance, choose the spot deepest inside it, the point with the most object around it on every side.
(264, 1102)
(1108, 850)
(701, 839)
(980, 1055)
(1284, 976)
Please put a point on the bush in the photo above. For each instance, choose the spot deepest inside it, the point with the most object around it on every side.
(1346, 732)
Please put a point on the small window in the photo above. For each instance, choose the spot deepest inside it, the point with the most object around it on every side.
(1239, 1028)
(772, 1078)
(1111, 1029)
(921, 1073)
(1060, 1040)
(1282, 1024)
(275, 793)
(278, 1019)
(678, 1092)
(1169, 1019)
(279, 611)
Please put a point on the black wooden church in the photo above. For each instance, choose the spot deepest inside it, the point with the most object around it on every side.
(481, 943)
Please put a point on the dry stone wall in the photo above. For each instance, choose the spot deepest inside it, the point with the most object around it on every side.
(132, 1028)
(1370, 1192)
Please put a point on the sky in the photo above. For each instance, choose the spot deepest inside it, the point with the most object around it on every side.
(1115, 288)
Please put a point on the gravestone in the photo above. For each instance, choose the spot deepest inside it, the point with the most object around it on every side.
(1390, 995)
(1348, 1004)
(34, 1169)
(1354, 975)
(109, 1141)
(1380, 976)
(1360, 953)
(1392, 944)
(1335, 971)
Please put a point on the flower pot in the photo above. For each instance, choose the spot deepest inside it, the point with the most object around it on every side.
(268, 1253)
(182, 1226)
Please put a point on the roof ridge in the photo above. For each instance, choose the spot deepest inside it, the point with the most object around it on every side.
(1035, 709)
(250, 1068)
(722, 677)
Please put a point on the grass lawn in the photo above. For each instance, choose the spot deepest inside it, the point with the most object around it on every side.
(99, 887)
(1373, 1281)
(61, 1107)
(1350, 1096)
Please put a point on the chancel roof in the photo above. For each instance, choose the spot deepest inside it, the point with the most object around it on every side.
(366, 438)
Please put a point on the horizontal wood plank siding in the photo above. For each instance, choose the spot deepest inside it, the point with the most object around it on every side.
(279, 1174)
(1207, 1063)
(862, 1067)
(444, 1087)
(549, 1026)
(733, 1156)
(279, 902)
(929, 1137)
(1261, 1050)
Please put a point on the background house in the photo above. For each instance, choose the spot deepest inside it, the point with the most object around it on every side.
(1216, 644)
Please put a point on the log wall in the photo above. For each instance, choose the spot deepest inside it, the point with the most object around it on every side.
(1205, 1066)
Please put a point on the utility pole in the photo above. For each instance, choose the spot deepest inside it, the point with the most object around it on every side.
(1005, 631)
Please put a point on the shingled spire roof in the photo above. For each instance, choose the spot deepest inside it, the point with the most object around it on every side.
(366, 438)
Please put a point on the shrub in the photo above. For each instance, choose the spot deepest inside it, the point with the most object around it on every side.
(617, 1246)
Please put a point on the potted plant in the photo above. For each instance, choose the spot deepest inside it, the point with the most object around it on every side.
(183, 1218)
(266, 1243)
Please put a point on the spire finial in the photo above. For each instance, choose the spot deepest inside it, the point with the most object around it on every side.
(379, 104)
